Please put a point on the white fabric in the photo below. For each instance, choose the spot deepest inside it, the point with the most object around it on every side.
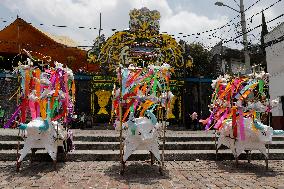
(144, 138)
(43, 139)
(254, 139)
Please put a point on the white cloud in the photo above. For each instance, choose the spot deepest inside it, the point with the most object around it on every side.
(74, 13)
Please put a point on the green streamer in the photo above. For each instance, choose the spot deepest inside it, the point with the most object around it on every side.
(260, 86)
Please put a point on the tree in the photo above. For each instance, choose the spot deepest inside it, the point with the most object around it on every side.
(263, 33)
(201, 60)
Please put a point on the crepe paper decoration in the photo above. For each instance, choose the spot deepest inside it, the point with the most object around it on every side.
(13, 117)
(218, 124)
(278, 132)
(237, 119)
(145, 106)
(261, 84)
(154, 89)
(244, 96)
(43, 109)
(37, 108)
(252, 84)
(24, 107)
(73, 90)
(209, 121)
(152, 117)
(140, 87)
(46, 92)
(144, 137)
(66, 93)
(23, 74)
(27, 83)
(228, 88)
(44, 126)
(260, 126)
(253, 140)
(44, 139)
(32, 109)
(242, 126)
(253, 127)
(133, 78)
(37, 83)
(234, 121)
(23, 126)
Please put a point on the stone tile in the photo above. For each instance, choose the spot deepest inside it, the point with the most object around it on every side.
(192, 174)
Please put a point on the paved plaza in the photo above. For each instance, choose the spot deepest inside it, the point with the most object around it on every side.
(178, 174)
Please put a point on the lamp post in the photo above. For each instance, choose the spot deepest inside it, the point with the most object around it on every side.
(244, 31)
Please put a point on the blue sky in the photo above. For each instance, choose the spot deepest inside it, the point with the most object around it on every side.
(185, 16)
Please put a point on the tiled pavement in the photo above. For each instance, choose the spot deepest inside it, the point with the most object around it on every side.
(178, 174)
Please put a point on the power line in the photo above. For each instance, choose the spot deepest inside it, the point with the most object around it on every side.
(252, 5)
(197, 35)
(270, 6)
(232, 39)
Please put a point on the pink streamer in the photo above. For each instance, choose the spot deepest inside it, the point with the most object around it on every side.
(33, 109)
(221, 120)
(242, 126)
(66, 94)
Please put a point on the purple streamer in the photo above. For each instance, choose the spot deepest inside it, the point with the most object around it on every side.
(209, 121)
(8, 124)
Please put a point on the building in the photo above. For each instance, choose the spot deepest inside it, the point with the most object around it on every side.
(275, 67)
(21, 35)
(227, 60)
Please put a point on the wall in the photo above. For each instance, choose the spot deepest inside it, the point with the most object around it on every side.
(275, 67)
(8, 88)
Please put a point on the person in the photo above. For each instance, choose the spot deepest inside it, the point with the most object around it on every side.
(194, 117)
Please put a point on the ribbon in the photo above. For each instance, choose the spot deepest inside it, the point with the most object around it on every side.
(27, 83)
(44, 126)
(234, 121)
(242, 126)
(220, 121)
(66, 96)
(13, 117)
(24, 106)
(43, 108)
(209, 121)
(32, 109)
(260, 86)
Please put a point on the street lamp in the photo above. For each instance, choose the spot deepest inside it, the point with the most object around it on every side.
(220, 4)
(244, 31)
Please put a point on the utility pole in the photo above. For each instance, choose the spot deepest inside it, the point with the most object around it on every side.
(244, 31)
(100, 30)
(245, 38)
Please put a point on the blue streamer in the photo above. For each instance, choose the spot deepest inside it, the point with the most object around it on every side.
(23, 126)
(278, 132)
(45, 126)
(152, 117)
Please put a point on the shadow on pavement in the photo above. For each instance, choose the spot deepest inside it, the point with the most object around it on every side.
(255, 167)
(137, 172)
(36, 169)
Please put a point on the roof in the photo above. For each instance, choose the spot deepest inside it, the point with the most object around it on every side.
(64, 40)
(22, 35)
